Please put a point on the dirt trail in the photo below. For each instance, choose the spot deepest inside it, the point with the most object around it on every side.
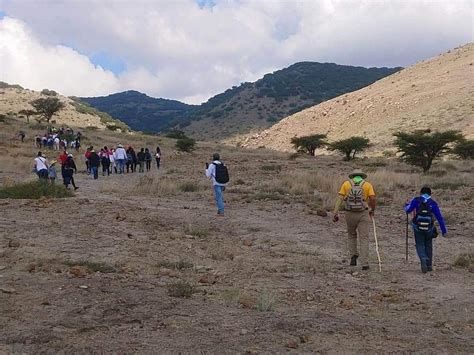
(261, 252)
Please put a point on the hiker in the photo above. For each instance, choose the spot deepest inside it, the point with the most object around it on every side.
(158, 157)
(104, 160)
(41, 166)
(87, 156)
(425, 209)
(131, 160)
(52, 172)
(94, 161)
(38, 142)
(69, 170)
(62, 159)
(359, 198)
(148, 159)
(141, 156)
(218, 174)
(112, 160)
(120, 158)
(22, 136)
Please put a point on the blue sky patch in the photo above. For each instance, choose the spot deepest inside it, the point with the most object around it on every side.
(108, 62)
(2, 14)
(206, 3)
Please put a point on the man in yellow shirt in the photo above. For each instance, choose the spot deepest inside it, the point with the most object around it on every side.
(359, 198)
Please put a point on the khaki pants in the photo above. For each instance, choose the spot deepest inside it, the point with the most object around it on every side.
(358, 224)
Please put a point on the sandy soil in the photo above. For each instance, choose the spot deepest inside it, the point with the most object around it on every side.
(269, 277)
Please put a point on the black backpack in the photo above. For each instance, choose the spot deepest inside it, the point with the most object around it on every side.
(423, 219)
(222, 174)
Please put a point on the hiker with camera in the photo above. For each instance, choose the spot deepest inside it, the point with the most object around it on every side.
(359, 198)
(217, 172)
(425, 210)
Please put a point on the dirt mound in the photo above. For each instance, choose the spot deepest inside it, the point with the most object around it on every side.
(435, 93)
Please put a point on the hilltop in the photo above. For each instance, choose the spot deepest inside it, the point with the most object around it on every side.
(437, 93)
(14, 98)
(243, 108)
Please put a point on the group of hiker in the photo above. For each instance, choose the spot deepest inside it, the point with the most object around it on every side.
(120, 160)
(356, 196)
(58, 139)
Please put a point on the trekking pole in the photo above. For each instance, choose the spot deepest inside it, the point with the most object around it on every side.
(377, 245)
(406, 240)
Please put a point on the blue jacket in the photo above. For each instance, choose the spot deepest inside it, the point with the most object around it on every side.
(413, 206)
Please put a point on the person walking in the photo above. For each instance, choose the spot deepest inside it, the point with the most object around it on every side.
(158, 157)
(94, 161)
(41, 167)
(359, 198)
(112, 161)
(87, 156)
(148, 159)
(141, 156)
(52, 172)
(120, 158)
(105, 161)
(425, 210)
(218, 174)
(69, 170)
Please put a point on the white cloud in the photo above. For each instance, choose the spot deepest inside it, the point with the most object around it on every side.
(176, 49)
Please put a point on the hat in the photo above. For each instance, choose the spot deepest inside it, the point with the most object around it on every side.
(357, 172)
(119, 146)
(53, 162)
(70, 155)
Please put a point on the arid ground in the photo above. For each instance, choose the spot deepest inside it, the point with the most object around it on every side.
(140, 263)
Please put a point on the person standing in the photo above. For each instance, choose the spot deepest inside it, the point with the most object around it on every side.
(94, 161)
(69, 170)
(120, 158)
(104, 160)
(41, 167)
(425, 210)
(359, 198)
(112, 160)
(62, 160)
(141, 156)
(218, 174)
(148, 159)
(87, 156)
(52, 172)
(158, 157)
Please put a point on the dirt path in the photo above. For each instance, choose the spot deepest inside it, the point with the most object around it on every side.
(262, 255)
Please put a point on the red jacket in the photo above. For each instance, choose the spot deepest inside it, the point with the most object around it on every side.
(62, 158)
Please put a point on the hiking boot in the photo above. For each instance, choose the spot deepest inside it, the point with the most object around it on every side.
(75, 188)
(424, 268)
(354, 260)
(430, 268)
(365, 268)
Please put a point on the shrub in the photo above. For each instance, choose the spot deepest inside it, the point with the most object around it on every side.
(180, 289)
(309, 144)
(422, 147)
(35, 190)
(275, 168)
(464, 149)
(185, 144)
(266, 302)
(349, 147)
(464, 260)
(188, 186)
(47, 107)
(176, 134)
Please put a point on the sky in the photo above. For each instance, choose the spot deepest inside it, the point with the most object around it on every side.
(190, 50)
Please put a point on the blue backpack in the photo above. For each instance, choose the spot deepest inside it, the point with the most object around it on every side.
(423, 219)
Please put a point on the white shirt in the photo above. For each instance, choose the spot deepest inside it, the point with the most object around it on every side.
(40, 163)
(120, 153)
(211, 173)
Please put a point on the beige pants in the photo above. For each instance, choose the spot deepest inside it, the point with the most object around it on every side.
(358, 224)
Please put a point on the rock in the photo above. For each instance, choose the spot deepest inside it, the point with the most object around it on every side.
(84, 287)
(321, 213)
(208, 279)
(243, 331)
(247, 242)
(292, 344)
(304, 338)
(6, 289)
(355, 273)
(13, 243)
(78, 271)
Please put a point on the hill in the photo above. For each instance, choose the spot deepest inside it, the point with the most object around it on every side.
(242, 108)
(14, 98)
(437, 93)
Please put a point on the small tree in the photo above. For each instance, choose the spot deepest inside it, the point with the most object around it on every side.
(420, 148)
(47, 107)
(185, 144)
(28, 113)
(464, 149)
(309, 144)
(349, 147)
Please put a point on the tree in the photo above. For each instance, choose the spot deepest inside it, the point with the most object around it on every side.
(185, 144)
(421, 147)
(28, 113)
(47, 107)
(309, 144)
(464, 149)
(350, 146)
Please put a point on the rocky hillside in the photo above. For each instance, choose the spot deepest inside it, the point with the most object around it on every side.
(437, 93)
(14, 98)
(244, 108)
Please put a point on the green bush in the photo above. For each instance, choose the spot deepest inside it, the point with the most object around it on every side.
(185, 144)
(464, 149)
(309, 144)
(176, 134)
(180, 289)
(349, 147)
(35, 190)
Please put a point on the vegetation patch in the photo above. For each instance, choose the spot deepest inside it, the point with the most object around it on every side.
(465, 260)
(180, 289)
(266, 302)
(272, 168)
(35, 190)
(188, 186)
(178, 265)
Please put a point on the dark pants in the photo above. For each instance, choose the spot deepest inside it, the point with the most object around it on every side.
(148, 165)
(424, 247)
(43, 174)
(157, 163)
(105, 166)
(68, 176)
(95, 172)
